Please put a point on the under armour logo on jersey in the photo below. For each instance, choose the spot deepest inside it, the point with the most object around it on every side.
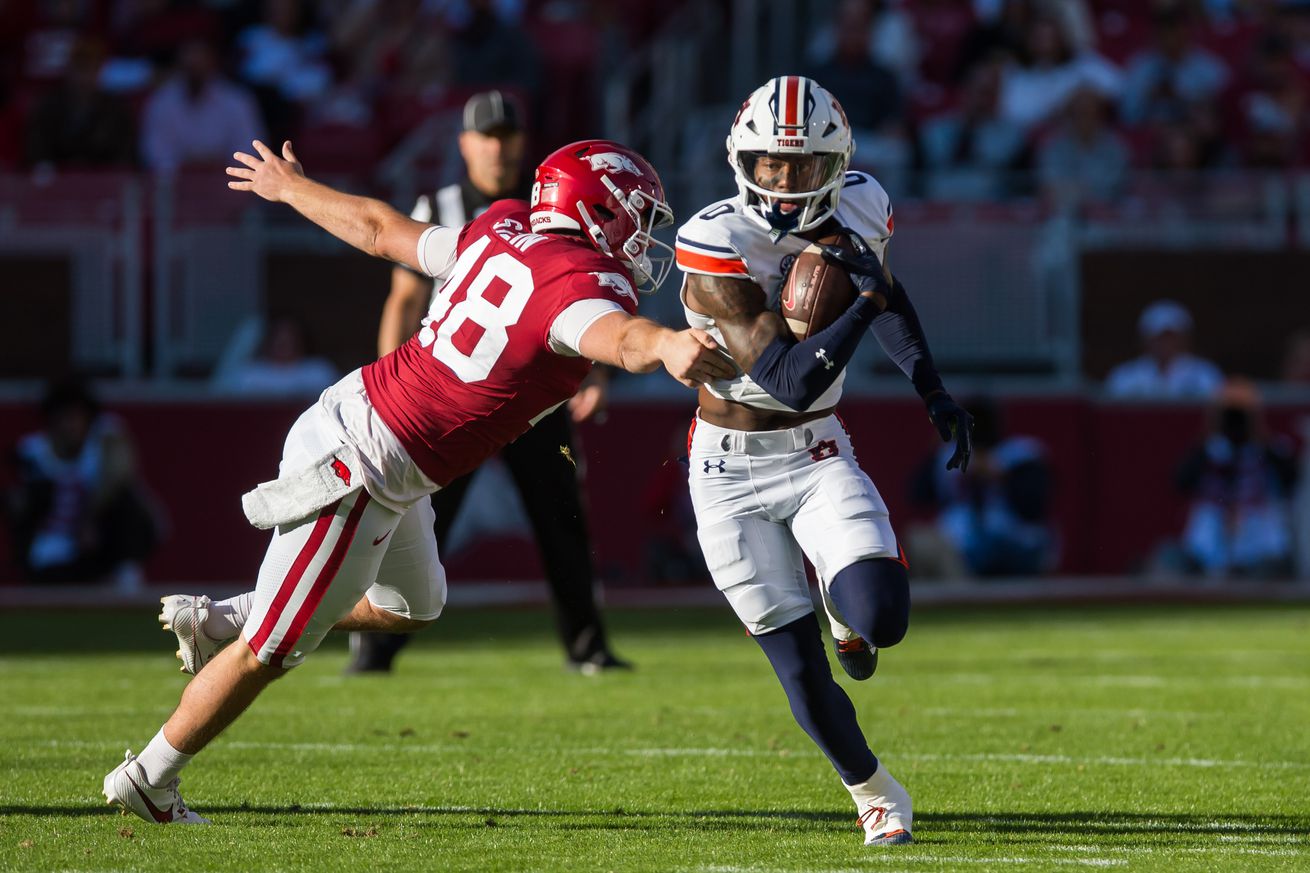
(618, 282)
(822, 355)
(718, 467)
(823, 449)
(343, 472)
(614, 162)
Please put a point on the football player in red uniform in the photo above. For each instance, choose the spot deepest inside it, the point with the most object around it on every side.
(533, 293)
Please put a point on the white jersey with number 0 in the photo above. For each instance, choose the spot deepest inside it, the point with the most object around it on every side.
(728, 241)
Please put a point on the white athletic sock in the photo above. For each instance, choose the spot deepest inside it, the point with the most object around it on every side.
(880, 784)
(161, 761)
(228, 617)
(883, 790)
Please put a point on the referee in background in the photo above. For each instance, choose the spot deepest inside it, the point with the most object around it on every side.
(540, 461)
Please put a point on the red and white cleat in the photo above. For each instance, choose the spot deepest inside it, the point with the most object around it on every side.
(126, 786)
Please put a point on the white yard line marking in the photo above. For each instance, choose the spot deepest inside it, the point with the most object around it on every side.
(902, 856)
(1057, 711)
(1109, 761)
(1203, 763)
(67, 711)
(696, 753)
(1247, 850)
(899, 857)
(1130, 680)
(439, 810)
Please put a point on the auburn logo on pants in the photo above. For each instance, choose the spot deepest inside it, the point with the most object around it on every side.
(823, 449)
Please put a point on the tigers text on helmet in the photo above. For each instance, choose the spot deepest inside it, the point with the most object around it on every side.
(793, 122)
(613, 196)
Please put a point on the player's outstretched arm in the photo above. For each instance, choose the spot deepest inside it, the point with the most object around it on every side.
(639, 345)
(794, 373)
(367, 224)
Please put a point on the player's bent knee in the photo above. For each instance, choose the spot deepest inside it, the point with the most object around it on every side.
(893, 615)
(397, 619)
(411, 625)
(874, 597)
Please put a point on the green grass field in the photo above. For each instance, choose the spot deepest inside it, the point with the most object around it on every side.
(1162, 738)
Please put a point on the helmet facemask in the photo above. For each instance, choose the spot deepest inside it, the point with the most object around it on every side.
(815, 179)
(645, 214)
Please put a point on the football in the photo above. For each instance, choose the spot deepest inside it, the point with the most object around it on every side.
(815, 292)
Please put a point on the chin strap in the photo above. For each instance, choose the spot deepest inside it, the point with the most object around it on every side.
(594, 233)
(781, 223)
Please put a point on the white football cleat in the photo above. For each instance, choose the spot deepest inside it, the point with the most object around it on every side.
(185, 616)
(886, 815)
(126, 787)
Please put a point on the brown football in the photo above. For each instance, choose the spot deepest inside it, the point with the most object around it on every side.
(814, 292)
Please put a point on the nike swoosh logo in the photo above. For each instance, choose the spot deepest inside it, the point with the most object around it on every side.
(378, 541)
(159, 815)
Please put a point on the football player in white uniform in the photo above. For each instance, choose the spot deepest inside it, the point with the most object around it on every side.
(773, 477)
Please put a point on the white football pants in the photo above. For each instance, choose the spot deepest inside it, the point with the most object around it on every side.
(316, 570)
(766, 500)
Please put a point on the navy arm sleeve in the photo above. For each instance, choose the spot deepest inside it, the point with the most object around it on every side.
(797, 373)
(901, 337)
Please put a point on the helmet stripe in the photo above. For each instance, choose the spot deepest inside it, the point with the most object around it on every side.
(790, 118)
(777, 104)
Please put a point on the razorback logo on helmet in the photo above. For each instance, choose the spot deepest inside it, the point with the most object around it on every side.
(614, 162)
(619, 283)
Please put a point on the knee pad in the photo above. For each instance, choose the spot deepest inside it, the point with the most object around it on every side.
(874, 598)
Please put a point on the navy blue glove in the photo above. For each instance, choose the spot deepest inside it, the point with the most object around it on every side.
(952, 423)
(864, 266)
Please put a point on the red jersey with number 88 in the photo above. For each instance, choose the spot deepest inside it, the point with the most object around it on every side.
(482, 370)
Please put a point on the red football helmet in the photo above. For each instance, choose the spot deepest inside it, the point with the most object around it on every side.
(613, 196)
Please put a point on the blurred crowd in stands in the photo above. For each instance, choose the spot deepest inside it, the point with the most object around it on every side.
(161, 84)
(1076, 92)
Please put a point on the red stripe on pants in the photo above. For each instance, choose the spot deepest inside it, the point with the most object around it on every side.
(325, 577)
(293, 577)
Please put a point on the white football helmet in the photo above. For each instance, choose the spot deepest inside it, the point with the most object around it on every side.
(795, 120)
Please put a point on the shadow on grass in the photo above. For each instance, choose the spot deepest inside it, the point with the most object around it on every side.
(91, 632)
(1049, 825)
(97, 631)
